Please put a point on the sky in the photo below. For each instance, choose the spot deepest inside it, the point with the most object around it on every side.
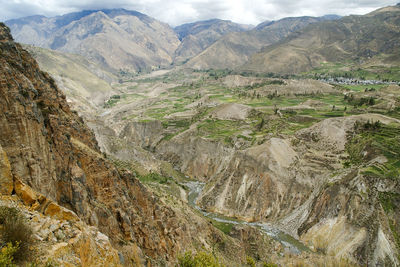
(176, 12)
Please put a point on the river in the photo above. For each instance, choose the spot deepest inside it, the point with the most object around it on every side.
(289, 243)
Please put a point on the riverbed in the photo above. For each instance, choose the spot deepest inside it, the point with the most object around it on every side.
(290, 243)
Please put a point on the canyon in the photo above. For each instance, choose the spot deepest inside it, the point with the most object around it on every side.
(190, 146)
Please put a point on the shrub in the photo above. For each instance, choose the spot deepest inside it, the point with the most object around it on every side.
(15, 230)
(269, 264)
(7, 254)
(153, 177)
(250, 261)
(200, 259)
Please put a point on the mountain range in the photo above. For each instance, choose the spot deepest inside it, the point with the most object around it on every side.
(235, 49)
(352, 38)
(117, 39)
(122, 40)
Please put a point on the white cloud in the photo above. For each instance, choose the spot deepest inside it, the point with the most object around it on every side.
(176, 12)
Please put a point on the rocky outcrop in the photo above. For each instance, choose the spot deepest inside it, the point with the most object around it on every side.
(258, 183)
(59, 240)
(231, 111)
(59, 235)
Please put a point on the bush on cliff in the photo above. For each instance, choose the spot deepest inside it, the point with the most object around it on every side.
(14, 230)
(200, 259)
(7, 255)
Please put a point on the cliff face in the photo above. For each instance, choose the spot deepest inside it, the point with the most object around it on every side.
(50, 149)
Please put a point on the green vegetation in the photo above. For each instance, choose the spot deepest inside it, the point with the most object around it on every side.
(218, 129)
(363, 88)
(358, 102)
(372, 139)
(153, 177)
(15, 230)
(199, 259)
(7, 254)
(355, 148)
(112, 101)
(224, 227)
(390, 201)
(250, 261)
(220, 73)
(354, 71)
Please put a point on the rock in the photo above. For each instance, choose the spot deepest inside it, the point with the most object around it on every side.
(101, 238)
(60, 213)
(27, 195)
(59, 235)
(44, 233)
(53, 227)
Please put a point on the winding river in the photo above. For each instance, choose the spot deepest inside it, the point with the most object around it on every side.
(289, 243)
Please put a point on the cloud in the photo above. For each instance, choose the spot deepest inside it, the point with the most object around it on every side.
(176, 12)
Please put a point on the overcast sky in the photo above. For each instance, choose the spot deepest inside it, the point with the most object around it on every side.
(176, 12)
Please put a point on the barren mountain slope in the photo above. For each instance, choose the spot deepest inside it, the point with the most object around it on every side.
(115, 38)
(235, 49)
(86, 85)
(352, 38)
(199, 35)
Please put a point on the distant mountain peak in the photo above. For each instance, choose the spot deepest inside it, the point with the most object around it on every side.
(114, 38)
(198, 26)
(331, 17)
(112, 13)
